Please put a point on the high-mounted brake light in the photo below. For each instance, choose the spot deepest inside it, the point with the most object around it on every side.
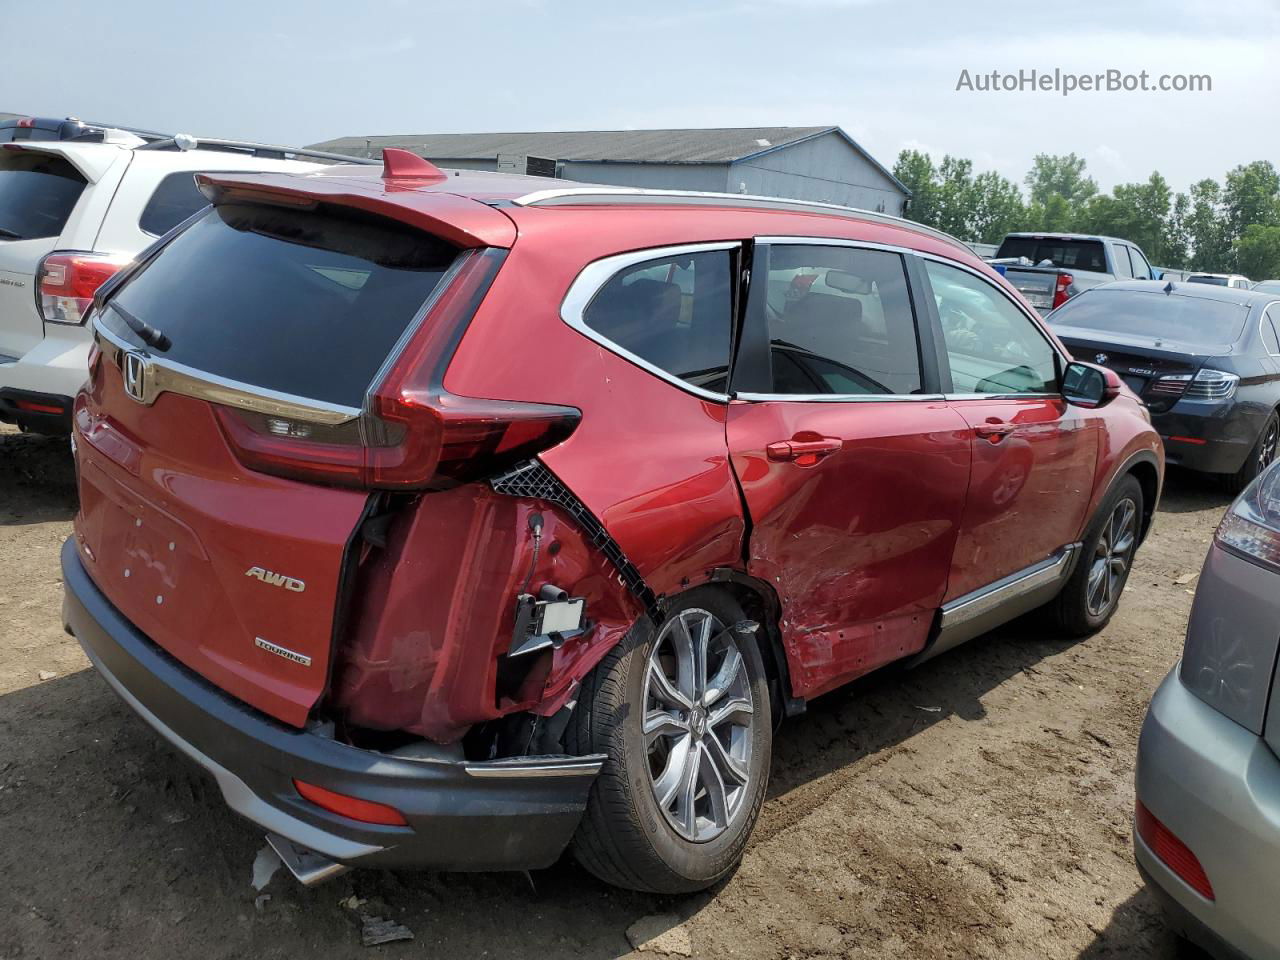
(66, 283)
(1061, 288)
(366, 811)
(27, 122)
(413, 434)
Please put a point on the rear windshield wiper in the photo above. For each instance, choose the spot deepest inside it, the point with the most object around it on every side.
(10, 235)
(145, 331)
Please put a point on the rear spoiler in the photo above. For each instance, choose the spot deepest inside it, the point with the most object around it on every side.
(91, 163)
(459, 220)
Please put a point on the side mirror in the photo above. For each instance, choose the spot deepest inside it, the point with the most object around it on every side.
(1157, 274)
(1090, 386)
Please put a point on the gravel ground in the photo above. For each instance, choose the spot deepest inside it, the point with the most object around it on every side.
(976, 807)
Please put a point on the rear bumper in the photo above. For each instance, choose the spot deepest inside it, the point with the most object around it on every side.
(1210, 437)
(50, 372)
(47, 413)
(1217, 787)
(499, 815)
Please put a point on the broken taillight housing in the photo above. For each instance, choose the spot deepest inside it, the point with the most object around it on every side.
(67, 281)
(412, 434)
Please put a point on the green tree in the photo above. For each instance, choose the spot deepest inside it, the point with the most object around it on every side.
(1135, 211)
(1258, 251)
(1251, 195)
(1176, 244)
(1061, 176)
(996, 208)
(1207, 229)
(1054, 215)
(918, 174)
(955, 196)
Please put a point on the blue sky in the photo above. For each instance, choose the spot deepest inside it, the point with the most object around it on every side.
(294, 72)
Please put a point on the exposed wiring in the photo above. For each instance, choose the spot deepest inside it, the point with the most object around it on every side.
(535, 524)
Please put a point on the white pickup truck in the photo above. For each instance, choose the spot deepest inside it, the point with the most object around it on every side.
(1051, 268)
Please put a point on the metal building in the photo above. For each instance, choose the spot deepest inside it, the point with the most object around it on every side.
(800, 163)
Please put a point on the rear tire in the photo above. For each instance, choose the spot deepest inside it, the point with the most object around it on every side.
(1092, 593)
(1260, 457)
(702, 740)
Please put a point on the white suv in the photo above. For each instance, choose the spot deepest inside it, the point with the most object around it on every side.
(72, 213)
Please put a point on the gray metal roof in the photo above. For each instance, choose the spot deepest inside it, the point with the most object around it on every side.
(713, 145)
(635, 146)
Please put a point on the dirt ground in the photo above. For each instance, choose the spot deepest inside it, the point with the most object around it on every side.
(977, 807)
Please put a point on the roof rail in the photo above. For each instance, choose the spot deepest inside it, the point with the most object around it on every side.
(183, 142)
(605, 196)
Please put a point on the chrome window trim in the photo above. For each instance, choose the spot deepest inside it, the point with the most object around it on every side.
(592, 278)
(834, 242)
(167, 376)
(1002, 396)
(1275, 326)
(566, 196)
(836, 397)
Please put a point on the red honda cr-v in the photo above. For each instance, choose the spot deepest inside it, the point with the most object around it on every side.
(449, 521)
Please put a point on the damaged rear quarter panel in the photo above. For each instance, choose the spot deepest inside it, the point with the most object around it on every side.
(434, 612)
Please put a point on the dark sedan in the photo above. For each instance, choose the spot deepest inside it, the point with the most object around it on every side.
(1205, 359)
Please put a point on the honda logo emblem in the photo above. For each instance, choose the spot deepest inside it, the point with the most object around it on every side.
(135, 376)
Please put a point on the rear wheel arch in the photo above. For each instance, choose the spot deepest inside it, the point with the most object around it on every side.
(761, 604)
(1147, 474)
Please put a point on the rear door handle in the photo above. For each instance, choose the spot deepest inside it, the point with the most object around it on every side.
(798, 449)
(994, 430)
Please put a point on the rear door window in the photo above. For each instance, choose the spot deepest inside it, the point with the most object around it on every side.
(302, 303)
(992, 346)
(176, 197)
(673, 313)
(840, 322)
(38, 191)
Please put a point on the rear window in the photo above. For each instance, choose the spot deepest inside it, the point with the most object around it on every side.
(1080, 254)
(38, 191)
(1212, 281)
(1191, 320)
(176, 198)
(303, 303)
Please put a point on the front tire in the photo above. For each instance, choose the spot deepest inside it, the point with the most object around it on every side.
(682, 712)
(1092, 594)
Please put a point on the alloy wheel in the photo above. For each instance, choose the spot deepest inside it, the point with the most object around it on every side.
(697, 724)
(1111, 558)
(1267, 448)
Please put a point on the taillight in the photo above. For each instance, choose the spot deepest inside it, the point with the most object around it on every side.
(1251, 527)
(413, 433)
(1171, 851)
(66, 283)
(366, 811)
(1060, 288)
(1210, 384)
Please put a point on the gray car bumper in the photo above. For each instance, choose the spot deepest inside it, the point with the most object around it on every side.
(1217, 787)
